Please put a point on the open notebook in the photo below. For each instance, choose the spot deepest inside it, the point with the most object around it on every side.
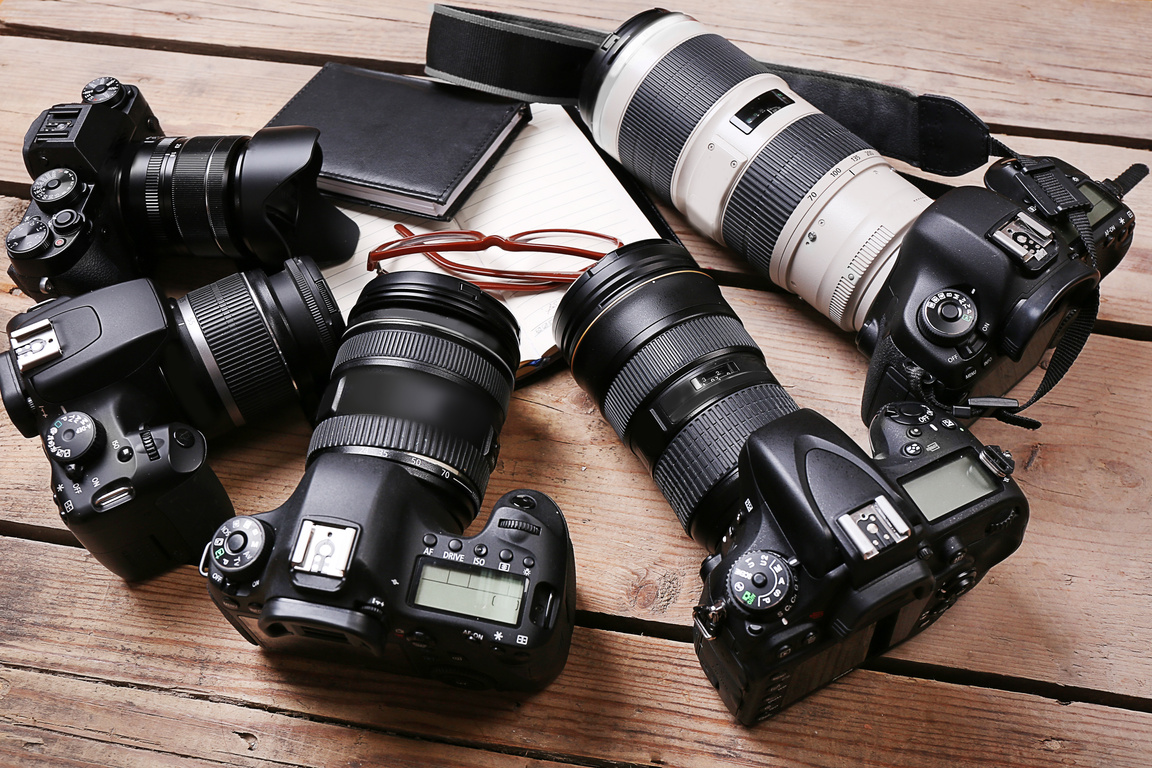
(550, 177)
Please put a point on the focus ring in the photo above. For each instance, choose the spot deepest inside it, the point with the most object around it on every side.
(253, 370)
(778, 178)
(152, 175)
(435, 351)
(312, 303)
(389, 433)
(708, 447)
(672, 100)
(200, 193)
(663, 356)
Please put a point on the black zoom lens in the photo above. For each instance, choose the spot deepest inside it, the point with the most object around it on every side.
(652, 340)
(253, 343)
(423, 377)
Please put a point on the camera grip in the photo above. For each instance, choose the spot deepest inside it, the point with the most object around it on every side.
(886, 381)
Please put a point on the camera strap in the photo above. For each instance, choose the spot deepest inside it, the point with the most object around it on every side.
(542, 61)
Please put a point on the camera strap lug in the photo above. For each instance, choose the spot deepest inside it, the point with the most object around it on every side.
(707, 618)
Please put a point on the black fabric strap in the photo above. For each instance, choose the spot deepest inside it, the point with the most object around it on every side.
(536, 60)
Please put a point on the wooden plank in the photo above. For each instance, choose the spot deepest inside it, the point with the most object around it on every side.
(213, 95)
(621, 699)
(58, 721)
(1067, 82)
(634, 560)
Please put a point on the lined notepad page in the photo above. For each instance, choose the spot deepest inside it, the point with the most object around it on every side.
(550, 177)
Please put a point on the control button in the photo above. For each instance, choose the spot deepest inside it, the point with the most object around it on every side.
(473, 637)
(103, 90)
(458, 658)
(910, 413)
(59, 242)
(506, 555)
(811, 637)
(948, 423)
(27, 239)
(915, 432)
(912, 449)
(947, 315)
(784, 651)
(71, 437)
(229, 603)
(421, 639)
(455, 545)
(55, 189)
(755, 629)
(237, 544)
(971, 348)
(256, 607)
(529, 562)
(429, 540)
(183, 437)
(66, 221)
(771, 592)
(480, 550)
(969, 372)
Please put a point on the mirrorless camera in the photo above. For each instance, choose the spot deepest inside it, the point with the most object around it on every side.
(111, 192)
(821, 556)
(958, 299)
(367, 557)
(122, 386)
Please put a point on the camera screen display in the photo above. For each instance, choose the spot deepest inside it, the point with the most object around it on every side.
(760, 109)
(469, 591)
(949, 484)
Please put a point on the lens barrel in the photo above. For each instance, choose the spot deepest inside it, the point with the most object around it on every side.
(253, 343)
(652, 340)
(423, 377)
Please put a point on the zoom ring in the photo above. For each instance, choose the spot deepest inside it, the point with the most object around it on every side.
(783, 172)
(200, 193)
(672, 100)
(666, 354)
(253, 370)
(370, 430)
(708, 447)
(436, 352)
(311, 300)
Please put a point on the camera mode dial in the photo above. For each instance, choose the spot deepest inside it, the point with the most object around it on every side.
(103, 90)
(71, 437)
(54, 190)
(947, 316)
(238, 544)
(761, 582)
(27, 239)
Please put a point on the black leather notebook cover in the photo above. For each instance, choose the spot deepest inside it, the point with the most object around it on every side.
(402, 143)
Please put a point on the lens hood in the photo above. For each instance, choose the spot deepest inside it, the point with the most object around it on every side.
(280, 210)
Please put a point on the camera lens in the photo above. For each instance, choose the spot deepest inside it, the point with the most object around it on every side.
(423, 377)
(252, 343)
(230, 196)
(749, 162)
(652, 340)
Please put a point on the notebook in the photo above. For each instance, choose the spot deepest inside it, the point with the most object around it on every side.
(550, 176)
(404, 143)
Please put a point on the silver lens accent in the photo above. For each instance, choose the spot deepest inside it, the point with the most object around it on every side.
(200, 342)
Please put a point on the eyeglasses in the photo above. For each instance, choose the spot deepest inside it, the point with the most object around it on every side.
(536, 240)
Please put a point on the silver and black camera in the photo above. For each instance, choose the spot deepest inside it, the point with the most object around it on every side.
(961, 297)
(111, 193)
(822, 556)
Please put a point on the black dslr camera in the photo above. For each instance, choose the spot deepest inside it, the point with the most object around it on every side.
(366, 557)
(984, 284)
(822, 556)
(112, 192)
(122, 385)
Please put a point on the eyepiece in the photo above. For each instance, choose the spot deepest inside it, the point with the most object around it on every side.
(423, 377)
(650, 337)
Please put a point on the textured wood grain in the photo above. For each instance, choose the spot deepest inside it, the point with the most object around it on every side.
(628, 699)
(1069, 79)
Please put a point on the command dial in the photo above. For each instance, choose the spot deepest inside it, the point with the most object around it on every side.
(55, 189)
(238, 544)
(27, 239)
(71, 437)
(947, 315)
(103, 90)
(761, 582)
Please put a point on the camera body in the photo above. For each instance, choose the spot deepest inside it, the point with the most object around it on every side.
(363, 559)
(836, 557)
(122, 385)
(111, 192)
(985, 282)
(129, 474)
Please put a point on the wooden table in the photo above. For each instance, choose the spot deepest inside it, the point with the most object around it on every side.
(1047, 662)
